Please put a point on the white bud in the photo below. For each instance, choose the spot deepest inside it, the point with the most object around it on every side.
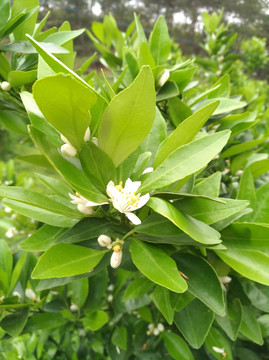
(87, 135)
(87, 210)
(73, 307)
(111, 287)
(147, 170)
(151, 327)
(95, 140)
(225, 279)
(5, 86)
(30, 294)
(156, 332)
(115, 259)
(7, 209)
(110, 298)
(218, 350)
(160, 327)
(104, 241)
(68, 150)
(16, 293)
(164, 77)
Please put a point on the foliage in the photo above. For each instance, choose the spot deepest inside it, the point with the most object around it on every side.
(158, 172)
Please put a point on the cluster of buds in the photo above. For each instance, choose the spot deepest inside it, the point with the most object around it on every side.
(5, 86)
(155, 330)
(68, 149)
(116, 246)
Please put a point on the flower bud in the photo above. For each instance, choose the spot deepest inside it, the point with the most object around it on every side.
(160, 327)
(87, 135)
(5, 86)
(104, 241)
(147, 170)
(73, 307)
(30, 294)
(87, 210)
(164, 77)
(64, 139)
(116, 258)
(95, 140)
(68, 150)
(156, 332)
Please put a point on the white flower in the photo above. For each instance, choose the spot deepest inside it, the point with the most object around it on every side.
(68, 150)
(125, 200)
(164, 77)
(115, 259)
(218, 350)
(5, 86)
(84, 205)
(105, 241)
(30, 294)
(11, 232)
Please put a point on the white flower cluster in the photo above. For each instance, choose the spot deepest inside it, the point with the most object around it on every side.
(68, 149)
(155, 330)
(116, 246)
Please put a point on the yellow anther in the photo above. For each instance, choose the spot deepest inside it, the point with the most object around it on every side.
(117, 248)
(78, 194)
(119, 187)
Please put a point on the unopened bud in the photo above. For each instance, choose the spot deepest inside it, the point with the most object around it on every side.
(147, 170)
(105, 241)
(87, 210)
(116, 258)
(87, 135)
(160, 327)
(164, 77)
(73, 307)
(156, 332)
(5, 86)
(65, 140)
(30, 294)
(95, 140)
(68, 150)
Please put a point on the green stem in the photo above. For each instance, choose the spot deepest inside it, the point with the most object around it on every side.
(128, 234)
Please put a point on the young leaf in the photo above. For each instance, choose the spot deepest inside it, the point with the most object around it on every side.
(185, 132)
(186, 160)
(128, 118)
(155, 264)
(63, 260)
(119, 337)
(177, 347)
(159, 42)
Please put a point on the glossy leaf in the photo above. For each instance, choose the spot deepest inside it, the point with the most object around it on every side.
(14, 323)
(177, 347)
(155, 264)
(215, 339)
(231, 322)
(66, 260)
(159, 41)
(119, 337)
(194, 322)
(161, 299)
(179, 111)
(95, 320)
(128, 118)
(250, 326)
(185, 161)
(45, 321)
(138, 288)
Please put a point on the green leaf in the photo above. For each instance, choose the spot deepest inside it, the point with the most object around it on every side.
(5, 67)
(65, 103)
(168, 90)
(185, 161)
(41, 239)
(155, 264)
(6, 260)
(194, 322)
(45, 321)
(231, 322)
(203, 281)
(161, 299)
(197, 230)
(177, 347)
(14, 323)
(209, 186)
(263, 320)
(258, 294)
(159, 41)
(28, 26)
(97, 165)
(128, 118)
(250, 326)
(87, 228)
(74, 177)
(185, 132)
(240, 148)
(140, 30)
(261, 210)
(80, 290)
(37, 160)
(66, 260)
(178, 110)
(58, 187)
(144, 56)
(226, 105)
(137, 288)
(4, 13)
(95, 320)
(18, 78)
(13, 121)
(183, 77)
(216, 339)
(209, 211)
(119, 337)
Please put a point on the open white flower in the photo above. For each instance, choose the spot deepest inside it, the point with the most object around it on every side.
(84, 205)
(125, 199)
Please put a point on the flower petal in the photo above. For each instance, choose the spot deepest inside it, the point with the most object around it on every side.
(91, 203)
(142, 201)
(131, 186)
(133, 218)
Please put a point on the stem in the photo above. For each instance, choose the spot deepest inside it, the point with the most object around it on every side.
(128, 234)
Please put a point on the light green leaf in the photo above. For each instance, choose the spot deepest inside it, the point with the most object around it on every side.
(140, 30)
(203, 281)
(155, 264)
(261, 210)
(197, 230)
(167, 91)
(240, 148)
(226, 105)
(178, 110)
(161, 299)
(58, 187)
(4, 13)
(63, 260)
(95, 320)
(159, 41)
(209, 186)
(183, 77)
(14, 121)
(144, 56)
(128, 118)
(119, 337)
(185, 132)
(177, 347)
(6, 260)
(194, 322)
(18, 78)
(65, 103)
(186, 160)
(28, 26)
